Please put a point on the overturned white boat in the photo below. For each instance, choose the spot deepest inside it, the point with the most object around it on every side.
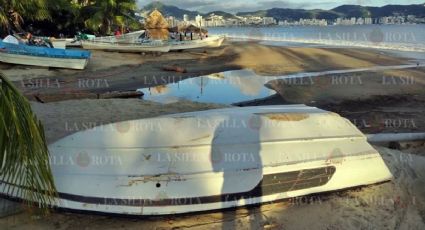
(153, 46)
(211, 160)
(212, 41)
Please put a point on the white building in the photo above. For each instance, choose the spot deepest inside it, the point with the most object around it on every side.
(269, 21)
(368, 21)
(198, 20)
(186, 18)
(172, 22)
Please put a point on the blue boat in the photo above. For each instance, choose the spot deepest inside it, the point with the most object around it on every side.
(43, 56)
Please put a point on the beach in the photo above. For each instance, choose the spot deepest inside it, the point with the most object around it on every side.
(68, 101)
(111, 72)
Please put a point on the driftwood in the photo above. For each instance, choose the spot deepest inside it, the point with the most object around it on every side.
(46, 98)
(175, 68)
(118, 94)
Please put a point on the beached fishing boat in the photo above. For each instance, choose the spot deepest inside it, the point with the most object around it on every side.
(43, 56)
(212, 41)
(59, 43)
(216, 159)
(127, 47)
(132, 37)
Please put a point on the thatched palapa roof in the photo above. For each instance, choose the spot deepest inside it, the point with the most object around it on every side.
(157, 26)
(155, 20)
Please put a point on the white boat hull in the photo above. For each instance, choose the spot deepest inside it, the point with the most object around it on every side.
(67, 63)
(132, 37)
(215, 41)
(132, 48)
(213, 160)
(59, 43)
(66, 42)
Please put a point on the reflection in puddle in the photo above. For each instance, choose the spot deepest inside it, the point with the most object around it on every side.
(224, 88)
(239, 85)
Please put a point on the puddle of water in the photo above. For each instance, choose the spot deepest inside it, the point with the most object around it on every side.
(222, 88)
(237, 86)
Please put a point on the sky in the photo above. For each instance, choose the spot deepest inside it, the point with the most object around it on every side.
(234, 6)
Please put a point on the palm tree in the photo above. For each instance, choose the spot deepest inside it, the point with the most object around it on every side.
(24, 157)
(105, 14)
(13, 12)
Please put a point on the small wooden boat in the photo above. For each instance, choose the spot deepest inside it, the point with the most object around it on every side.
(43, 56)
(127, 47)
(218, 159)
(213, 41)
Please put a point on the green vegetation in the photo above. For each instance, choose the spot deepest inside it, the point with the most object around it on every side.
(103, 16)
(52, 17)
(24, 157)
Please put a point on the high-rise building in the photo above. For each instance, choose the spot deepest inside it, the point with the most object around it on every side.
(198, 20)
(185, 18)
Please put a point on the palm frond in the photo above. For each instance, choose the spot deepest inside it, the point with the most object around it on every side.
(24, 158)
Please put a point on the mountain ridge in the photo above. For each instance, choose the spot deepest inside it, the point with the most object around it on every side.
(343, 11)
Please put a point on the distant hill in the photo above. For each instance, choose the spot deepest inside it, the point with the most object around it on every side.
(220, 13)
(344, 11)
(176, 12)
(349, 11)
(375, 12)
(167, 10)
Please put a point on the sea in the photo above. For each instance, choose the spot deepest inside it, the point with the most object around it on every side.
(408, 38)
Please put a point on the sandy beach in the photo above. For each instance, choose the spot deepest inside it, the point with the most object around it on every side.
(375, 101)
(110, 72)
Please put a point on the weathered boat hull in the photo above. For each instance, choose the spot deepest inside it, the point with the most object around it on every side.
(215, 41)
(213, 160)
(43, 56)
(68, 42)
(120, 47)
(132, 37)
(67, 63)
(59, 43)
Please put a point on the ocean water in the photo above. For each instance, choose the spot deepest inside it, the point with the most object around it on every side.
(385, 37)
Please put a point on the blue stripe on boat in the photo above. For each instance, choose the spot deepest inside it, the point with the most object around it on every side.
(23, 49)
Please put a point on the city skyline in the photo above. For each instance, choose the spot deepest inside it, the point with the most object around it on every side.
(235, 6)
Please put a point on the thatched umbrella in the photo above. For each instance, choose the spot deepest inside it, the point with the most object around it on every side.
(194, 29)
(187, 29)
(174, 29)
(157, 26)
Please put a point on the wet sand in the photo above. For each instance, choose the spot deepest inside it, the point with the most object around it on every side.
(108, 72)
(375, 101)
